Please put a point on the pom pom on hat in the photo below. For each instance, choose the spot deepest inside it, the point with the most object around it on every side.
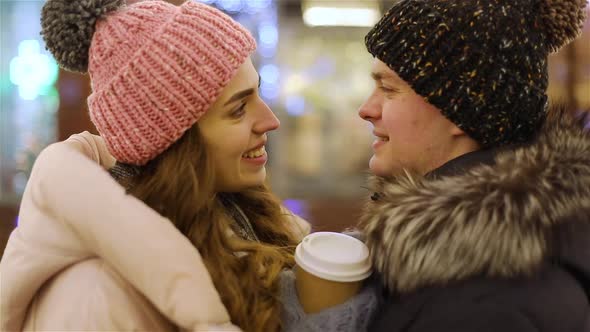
(562, 21)
(68, 27)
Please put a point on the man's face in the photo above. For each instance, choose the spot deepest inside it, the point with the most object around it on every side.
(410, 133)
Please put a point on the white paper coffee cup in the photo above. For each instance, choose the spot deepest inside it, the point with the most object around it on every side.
(334, 256)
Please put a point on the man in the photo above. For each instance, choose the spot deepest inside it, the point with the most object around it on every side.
(481, 214)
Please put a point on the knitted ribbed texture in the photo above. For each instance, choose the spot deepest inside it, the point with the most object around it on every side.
(482, 62)
(155, 69)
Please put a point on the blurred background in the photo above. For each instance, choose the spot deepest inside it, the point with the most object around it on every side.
(315, 74)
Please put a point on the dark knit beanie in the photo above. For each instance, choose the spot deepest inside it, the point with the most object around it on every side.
(482, 62)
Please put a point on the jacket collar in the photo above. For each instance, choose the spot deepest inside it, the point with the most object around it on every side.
(463, 163)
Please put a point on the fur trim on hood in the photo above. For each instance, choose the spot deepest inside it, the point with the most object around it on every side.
(492, 220)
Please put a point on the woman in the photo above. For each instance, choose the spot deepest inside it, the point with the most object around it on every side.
(175, 98)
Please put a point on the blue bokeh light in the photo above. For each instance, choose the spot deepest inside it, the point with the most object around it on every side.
(270, 73)
(254, 6)
(232, 6)
(295, 105)
(269, 91)
(268, 34)
(298, 207)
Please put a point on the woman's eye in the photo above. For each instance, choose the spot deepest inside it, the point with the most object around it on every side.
(239, 112)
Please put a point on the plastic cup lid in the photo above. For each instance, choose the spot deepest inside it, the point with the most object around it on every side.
(334, 256)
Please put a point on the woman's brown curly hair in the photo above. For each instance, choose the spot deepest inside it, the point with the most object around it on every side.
(179, 184)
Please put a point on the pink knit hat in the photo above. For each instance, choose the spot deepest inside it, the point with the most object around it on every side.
(155, 68)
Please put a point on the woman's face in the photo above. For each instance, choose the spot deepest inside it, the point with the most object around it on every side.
(235, 128)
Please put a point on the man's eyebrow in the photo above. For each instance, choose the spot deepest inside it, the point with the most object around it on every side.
(378, 76)
(239, 95)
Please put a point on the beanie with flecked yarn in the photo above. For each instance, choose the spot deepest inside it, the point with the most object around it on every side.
(155, 68)
(483, 63)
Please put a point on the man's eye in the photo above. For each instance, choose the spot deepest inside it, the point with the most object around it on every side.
(387, 90)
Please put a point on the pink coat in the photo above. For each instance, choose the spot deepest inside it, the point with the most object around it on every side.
(103, 261)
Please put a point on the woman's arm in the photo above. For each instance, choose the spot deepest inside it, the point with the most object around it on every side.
(353, 315)
(100, 219)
